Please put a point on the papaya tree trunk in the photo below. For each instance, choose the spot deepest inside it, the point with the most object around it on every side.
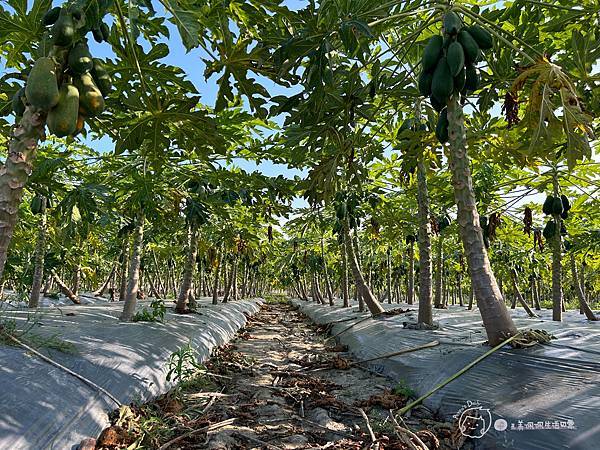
(583, 304)
(215, 293)
(425, 314)
(461, 300)
(345, 286)
(374, 306)
(47, 286)
(439, 297)
(123, 270)
(389, 275)
(134, 271)
(357, 291)
(38, 258)
(556, 242)
(496, 318)
(518, 294)
(411, 273)
(100, 292)
(77, 275)
(229, 282)
(188, 271)
(65, 289)
(22, 149)
(328, 288)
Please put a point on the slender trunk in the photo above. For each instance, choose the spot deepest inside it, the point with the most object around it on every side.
(496, 318)
(439, 301)
(134, 270)
(188, 271)
(65, 289)
(328, 289)
(77, 275)
(374, 307)
(245, 280)
(556, 243)
(535, 293)
(425, 314)
(459, 288)
(100, 292)
(518, 294)
(345, 293)
(358, 292)
(124, 262)
(583, 304)
(22, 149)
(229, 282)
(215, 293)
(38, 258)
(389, 275)
(235, 277)
(47, 286)
(471, 298)
(411, 273)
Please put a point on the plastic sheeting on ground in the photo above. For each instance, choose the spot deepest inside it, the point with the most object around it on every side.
(42, 406)
(541, 398)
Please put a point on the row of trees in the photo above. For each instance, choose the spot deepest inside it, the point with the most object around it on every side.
(354, 118)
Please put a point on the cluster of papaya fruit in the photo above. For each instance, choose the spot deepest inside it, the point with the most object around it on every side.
(555, 206)
(69, 84)
(448, 65)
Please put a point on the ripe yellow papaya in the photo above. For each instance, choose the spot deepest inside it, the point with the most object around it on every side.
(91, 101)
(41, 89)
(62, 119)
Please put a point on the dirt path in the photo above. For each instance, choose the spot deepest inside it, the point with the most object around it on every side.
(279, 385)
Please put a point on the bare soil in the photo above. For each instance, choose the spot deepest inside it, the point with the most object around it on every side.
(281, 385)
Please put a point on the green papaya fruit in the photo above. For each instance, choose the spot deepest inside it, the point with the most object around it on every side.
(452, 23)
(41, 89)
(460, 80)
(18, 104)
(341, 211)
(80, 59)
(441, 129)
(425, 79)
(565, 202)
(549, 229)
(105, 30)
(101, 77)
(436, 104)
(469, 46)
(51, 16)
(563, 229)
(442, 84)
(471, 78)
(482, 37)
(456, 58)
(63, 30)
(36, 205)
(564, 215)
(91, 102)
(97, 35)
(548, 205)
(432, 52)
(62, 119)
(557, 206)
